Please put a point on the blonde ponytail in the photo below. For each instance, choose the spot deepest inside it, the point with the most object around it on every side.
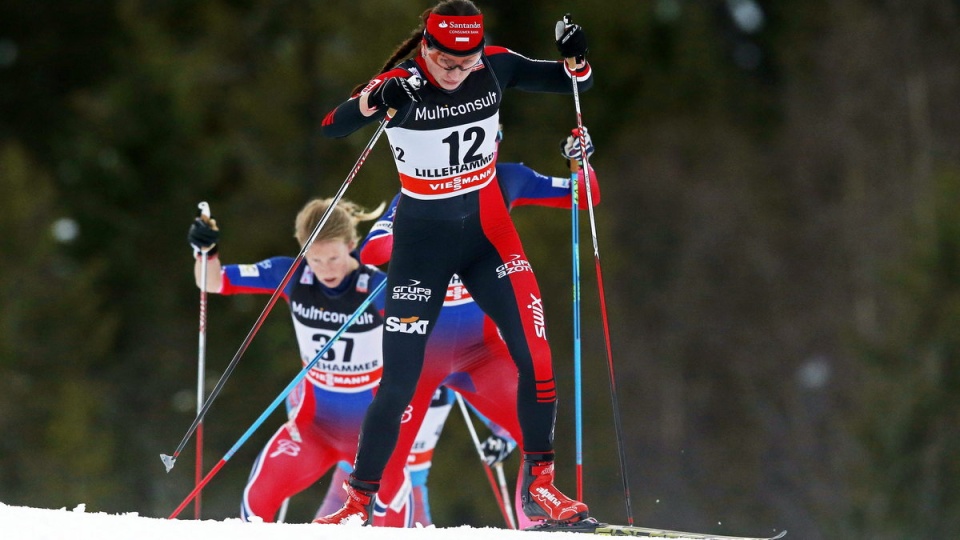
(341, 223)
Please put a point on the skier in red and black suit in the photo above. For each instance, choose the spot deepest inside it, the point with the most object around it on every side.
(465, 352)
(452, 219)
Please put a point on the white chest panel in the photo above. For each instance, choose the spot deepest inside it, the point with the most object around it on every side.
(443, 162)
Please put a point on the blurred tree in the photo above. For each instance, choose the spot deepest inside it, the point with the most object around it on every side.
(55, 329)
(910, 390)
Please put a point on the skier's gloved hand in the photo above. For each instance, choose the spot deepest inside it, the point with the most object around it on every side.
(570, 147)
(496, 449)
(204, 235)
(395, 92)
(571, 39)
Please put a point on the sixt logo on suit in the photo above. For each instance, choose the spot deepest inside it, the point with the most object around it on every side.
(406, 325)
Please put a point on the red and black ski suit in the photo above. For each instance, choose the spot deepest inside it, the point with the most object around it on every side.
(452, 219)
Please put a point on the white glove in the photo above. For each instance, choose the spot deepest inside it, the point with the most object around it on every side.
(570, 147)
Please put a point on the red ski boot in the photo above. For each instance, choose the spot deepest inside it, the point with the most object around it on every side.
(358, 508)
(541, 499)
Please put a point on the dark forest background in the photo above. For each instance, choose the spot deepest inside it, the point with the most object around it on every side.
(779, 233)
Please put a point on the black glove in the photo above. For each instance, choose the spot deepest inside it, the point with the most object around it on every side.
(395, 92)
(570, 147)
(203, 236)
(571, 39)
(496, 449)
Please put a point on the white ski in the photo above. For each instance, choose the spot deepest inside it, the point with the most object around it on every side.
(628, 530)
(592, 526)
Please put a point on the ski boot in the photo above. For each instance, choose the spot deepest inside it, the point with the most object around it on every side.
(357, 508)
(542, 501)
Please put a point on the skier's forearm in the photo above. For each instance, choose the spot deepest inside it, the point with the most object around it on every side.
(213, 277)
(345, 119)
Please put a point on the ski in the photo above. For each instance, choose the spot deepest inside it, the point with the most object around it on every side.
(592, 526)
(628, 530)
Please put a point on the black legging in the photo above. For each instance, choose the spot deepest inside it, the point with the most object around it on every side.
(470, 235)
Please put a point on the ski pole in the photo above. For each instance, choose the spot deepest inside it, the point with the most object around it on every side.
(282, 516)
(504, 509)
(201, 360)
(577, 368)
(170, 460)
(571, 63)
(279, 399)
(505, 495)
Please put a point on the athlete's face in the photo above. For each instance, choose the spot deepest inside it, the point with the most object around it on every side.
(330, 261)
(448, 70)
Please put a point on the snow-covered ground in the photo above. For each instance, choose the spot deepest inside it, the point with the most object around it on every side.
(21, 523)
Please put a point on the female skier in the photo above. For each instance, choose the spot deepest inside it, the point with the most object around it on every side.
(327, 409)
(451, 218)
(465, 352)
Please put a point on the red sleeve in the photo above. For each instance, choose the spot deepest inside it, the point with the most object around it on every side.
(594, 185)
(377, 250)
